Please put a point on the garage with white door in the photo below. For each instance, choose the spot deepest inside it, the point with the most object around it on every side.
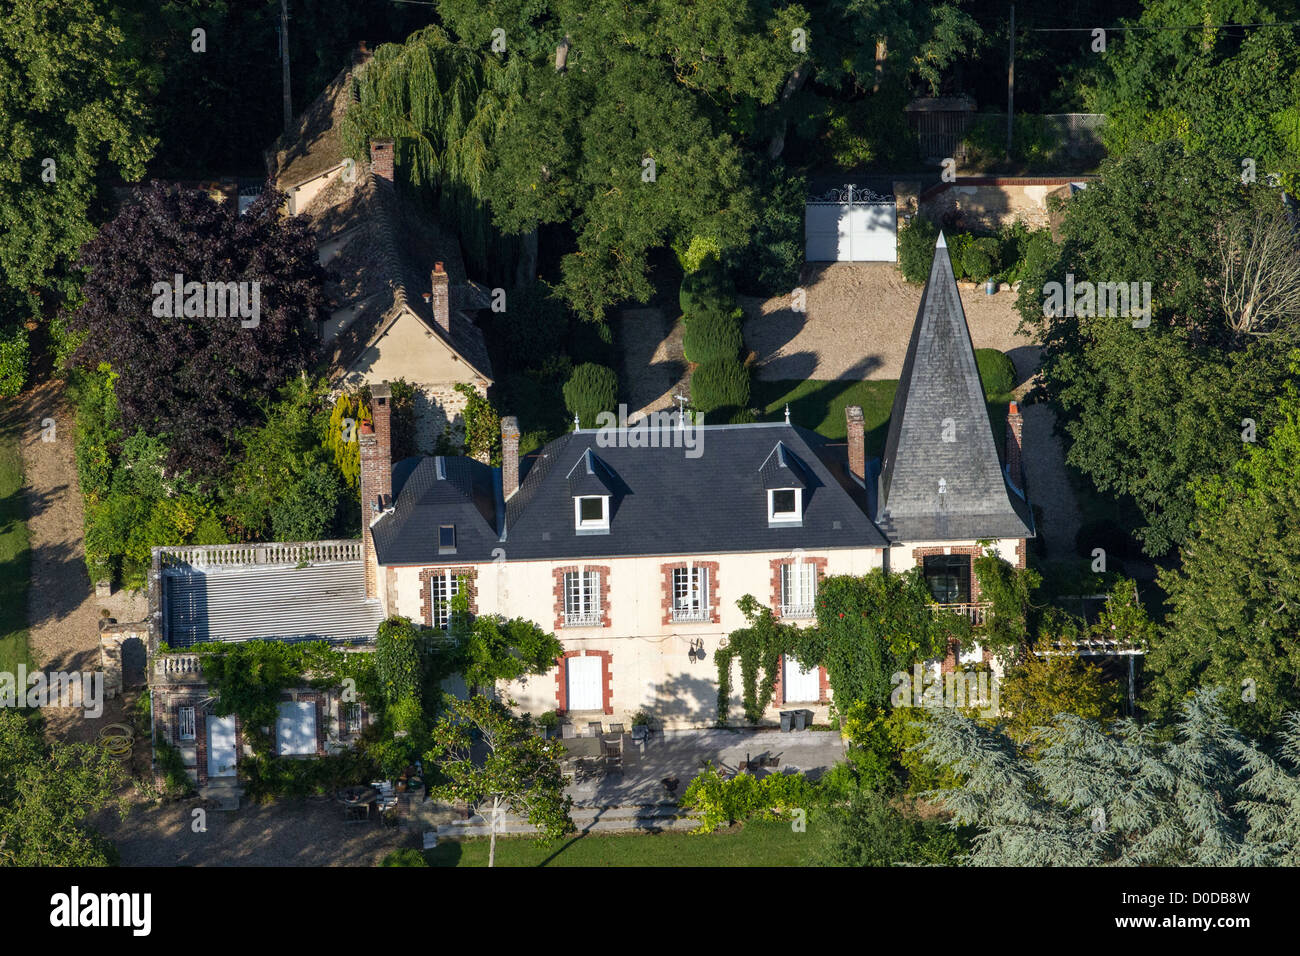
(851, 224)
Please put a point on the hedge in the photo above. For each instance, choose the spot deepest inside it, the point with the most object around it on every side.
(721, 383)
(916, 249)
(708, 289)
(997, 373)
(712, 335)
(590, 390)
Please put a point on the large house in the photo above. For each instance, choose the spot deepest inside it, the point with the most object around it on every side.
(401, 306)
(635, 555)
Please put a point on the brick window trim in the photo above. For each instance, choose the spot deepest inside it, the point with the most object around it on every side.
(667, 590)
(776, 564)
(974, 550)
(602, 594)
(778, 685)
(606, 680)
(426, 588)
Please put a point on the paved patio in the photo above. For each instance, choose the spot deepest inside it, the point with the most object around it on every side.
(683, 753)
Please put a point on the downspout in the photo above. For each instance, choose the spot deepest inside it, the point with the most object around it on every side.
(153, 737)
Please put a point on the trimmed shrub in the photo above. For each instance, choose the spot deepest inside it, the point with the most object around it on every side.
(997, 373)
(591, 389)
(980, 259)
(14, 356)
(916, 249)
(718, 384)
(712, 335)
(708, 289)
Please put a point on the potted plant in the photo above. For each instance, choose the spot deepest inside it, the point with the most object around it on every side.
(550, 724)
(642, 724)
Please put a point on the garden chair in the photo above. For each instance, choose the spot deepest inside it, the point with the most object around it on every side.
(595, 729)
(616, 729)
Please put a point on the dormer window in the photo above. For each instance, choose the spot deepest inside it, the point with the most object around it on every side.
(785, 504)
(447, 539)
(591, 513)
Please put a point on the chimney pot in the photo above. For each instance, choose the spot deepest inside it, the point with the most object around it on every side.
(509, 455)
(857, 435)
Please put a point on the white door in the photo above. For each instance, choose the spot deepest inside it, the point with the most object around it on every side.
(295, 728)
(583, 675)
(221, 746)
(801, 686)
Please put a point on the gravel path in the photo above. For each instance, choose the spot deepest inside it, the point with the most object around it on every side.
(62, 611)
(654, 367)
(858, 320)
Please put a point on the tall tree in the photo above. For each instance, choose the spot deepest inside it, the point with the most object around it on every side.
(493, 760)
(197, 377)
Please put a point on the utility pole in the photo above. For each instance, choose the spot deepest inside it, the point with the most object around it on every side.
(1011, 76)
(284, 63)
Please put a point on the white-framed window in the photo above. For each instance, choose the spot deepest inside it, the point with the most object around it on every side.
(591, 513)
(185, 722)
(691, 594)
(443, 586)
(798, 589)
(447, 539)
(582, 599)
(784, 504)
(802, 685)
(583, 679)
(350, 714)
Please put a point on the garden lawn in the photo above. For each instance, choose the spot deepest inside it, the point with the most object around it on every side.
(819, 404)
(757, 843)
(15, 558)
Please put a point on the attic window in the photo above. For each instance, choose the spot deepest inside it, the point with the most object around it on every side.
(591, 513)
(447, 539)
(784, 505)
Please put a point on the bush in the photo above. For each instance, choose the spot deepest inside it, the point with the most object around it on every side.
(997, 373)
(591, 389)
(720, 383)
(402, 420)
(770, 263)
(916, 249)
(712, 335)
(958, 242)
(980, 259)
(708, 289)
(308, 509)
(14, 355)
(723, 802)
(407, 856)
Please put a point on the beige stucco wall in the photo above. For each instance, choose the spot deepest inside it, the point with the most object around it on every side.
(992, 205)
(301, 196)
(901, 556)
(651, 666)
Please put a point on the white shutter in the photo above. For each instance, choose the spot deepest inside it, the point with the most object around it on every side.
(801, 686)
(583, 675)
(295, 728)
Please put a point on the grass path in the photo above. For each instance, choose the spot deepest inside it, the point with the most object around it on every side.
(15, 556)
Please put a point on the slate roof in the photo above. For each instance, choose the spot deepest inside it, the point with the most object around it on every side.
(929, 488)
(781, 469)
(429, 493)
(662, 502)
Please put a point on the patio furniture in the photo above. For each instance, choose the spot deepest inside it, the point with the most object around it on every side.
(616, 729)
(595, 729)
(356, 802)
(568, 731)
(613, 752)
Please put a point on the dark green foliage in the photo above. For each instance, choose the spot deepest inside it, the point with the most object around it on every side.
(171, 767)
(759, 647)
(590, 390)
(712, 335)
(722, 802)
(402, 422)
(980, 259)
(916, 249)
(1011, 619)
(871, 830)
(264, 777)
(707, 289)
(14, 357)
(720, 383)
(499, 649)
(482, 426)
(397, 660)
(769, 265)
(997, 372)
(407, 856)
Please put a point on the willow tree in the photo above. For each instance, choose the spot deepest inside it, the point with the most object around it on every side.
(443, 104)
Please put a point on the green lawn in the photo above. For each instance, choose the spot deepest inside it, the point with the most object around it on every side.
(819, 404)
(15, 558)
(758, 843)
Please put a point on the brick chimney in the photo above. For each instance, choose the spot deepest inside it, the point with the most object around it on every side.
(381, 158)
(376, 475)
(441, 298)
(1015, 423)
(509, 455)
(857, 442)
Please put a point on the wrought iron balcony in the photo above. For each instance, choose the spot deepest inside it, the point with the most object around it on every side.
(582, 618)
(977, 613)
(688, 615)
(796, 610)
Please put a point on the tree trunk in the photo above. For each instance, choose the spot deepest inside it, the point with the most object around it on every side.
(792, 86)
(492, 839)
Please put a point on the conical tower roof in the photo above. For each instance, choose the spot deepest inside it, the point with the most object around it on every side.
(940, 478)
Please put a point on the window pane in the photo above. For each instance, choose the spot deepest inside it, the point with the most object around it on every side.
(948, 576)
(783, 501)
(591, 509)
(447, 536)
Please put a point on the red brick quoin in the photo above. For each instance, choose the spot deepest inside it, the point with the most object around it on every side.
(777, 563)
(667, 588)
(606, 680)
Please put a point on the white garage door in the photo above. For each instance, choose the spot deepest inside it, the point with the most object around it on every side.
(583, 676)
(851, 225)
(801, 686)
(295, 729)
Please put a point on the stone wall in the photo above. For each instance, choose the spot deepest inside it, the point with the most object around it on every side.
(439, 412)
(990, 202)
(122, 655)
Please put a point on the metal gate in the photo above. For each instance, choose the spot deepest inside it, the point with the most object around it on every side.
(851, 225)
